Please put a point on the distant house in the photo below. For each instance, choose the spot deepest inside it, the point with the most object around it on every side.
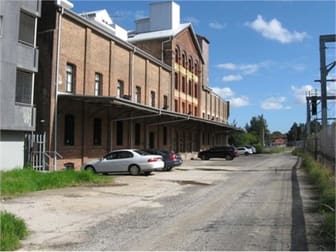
(18, 66)
(279, 141)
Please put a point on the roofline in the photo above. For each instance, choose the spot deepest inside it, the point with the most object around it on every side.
(189, 26)
(126, 44)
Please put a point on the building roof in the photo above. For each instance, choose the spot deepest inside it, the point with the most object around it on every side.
(157, 34)
(133, 37)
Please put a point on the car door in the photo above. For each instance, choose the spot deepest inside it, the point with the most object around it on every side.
(107, 164)
(125, 158)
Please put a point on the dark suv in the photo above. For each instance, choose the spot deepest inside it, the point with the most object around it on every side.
(227, 152)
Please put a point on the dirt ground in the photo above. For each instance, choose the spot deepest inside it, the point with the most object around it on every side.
(57, 218)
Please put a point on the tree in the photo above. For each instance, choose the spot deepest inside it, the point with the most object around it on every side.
(258, 127)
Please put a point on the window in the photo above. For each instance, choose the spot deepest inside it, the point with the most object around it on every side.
(138, 94)
(97, 131)
(165, 102)
(165, 136)
(1, 26)
(69, 130)
(183, 107)
(176, 55)
(120, 133)
(70, 78)
(190, 64)
(189, 109)
(152, 98)
(190, 88)
(24, 87)
(176, 105)
(195, 90)
(120, 88)
(183, 84)
(137, 134)
(98, 84)
(195, 111)
(183, 60)
(27, 29)
(176, 81)
(196, 69)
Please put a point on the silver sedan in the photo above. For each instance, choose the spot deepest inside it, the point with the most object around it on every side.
(130, 161)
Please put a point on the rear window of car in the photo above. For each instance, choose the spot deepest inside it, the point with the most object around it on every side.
(142, 152)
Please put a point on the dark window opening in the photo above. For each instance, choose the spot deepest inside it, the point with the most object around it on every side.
(97, 131)
(137, 134)
(69, 130)
(120, 133)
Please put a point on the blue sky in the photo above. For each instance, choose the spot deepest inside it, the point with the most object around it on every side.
(264, 55)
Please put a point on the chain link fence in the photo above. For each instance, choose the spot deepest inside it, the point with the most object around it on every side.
(322, 146)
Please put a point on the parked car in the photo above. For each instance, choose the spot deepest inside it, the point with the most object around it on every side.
(170, 158)
(227, 152)
(244, 151)
(130, 161)
(254, 150)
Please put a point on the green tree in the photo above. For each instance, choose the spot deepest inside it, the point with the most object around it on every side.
(259, 128)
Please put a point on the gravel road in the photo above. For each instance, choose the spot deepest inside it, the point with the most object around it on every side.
(259, 202)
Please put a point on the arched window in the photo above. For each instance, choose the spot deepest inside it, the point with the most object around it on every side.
(177, 54)
(183, 60)
(196, 68)
(190, 64)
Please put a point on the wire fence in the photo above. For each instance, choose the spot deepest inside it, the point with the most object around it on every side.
(322, 146)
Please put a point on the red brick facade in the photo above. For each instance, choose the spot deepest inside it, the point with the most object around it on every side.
(104, 83)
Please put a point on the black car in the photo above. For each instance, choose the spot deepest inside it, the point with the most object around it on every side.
(170, 159)
(227, 152)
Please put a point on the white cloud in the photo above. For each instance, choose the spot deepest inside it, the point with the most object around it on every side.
(331, 88)
(192, 20)
(275, 31)
(241, 70)
(232, 77)
(274, 103)
(300, 93)
(241, 101)
(216, 25)
(227, 94)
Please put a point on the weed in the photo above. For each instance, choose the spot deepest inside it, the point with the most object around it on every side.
(13, 229)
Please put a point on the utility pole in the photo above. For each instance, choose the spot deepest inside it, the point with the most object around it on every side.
(323, 73)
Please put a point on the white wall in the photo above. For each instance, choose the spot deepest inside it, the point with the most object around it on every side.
(11, 150)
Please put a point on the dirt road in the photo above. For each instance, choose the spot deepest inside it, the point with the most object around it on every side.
(251, 203)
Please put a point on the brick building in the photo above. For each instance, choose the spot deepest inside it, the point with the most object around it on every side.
(104, 89)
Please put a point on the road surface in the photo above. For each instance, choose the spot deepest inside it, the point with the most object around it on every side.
(251, 203)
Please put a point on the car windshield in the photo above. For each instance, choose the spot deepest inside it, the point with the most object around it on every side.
(142, 152)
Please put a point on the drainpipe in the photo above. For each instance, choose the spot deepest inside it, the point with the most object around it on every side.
(56, 86)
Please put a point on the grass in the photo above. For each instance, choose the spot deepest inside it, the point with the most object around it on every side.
(20, 181)
(12, 230)
(324, 180)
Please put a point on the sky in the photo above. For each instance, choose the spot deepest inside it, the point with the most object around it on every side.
(263, 55)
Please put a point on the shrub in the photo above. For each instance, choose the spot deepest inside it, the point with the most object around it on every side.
(13, 229)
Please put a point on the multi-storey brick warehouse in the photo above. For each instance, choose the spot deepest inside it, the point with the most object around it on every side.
(101, 90)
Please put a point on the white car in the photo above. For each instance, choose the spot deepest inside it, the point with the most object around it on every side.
(244, 151)
(130, 161)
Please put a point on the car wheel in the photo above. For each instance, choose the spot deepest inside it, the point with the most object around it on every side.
(204, 157)
(90, 168)
(134, 170)
(246, 153)
(228, 157)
